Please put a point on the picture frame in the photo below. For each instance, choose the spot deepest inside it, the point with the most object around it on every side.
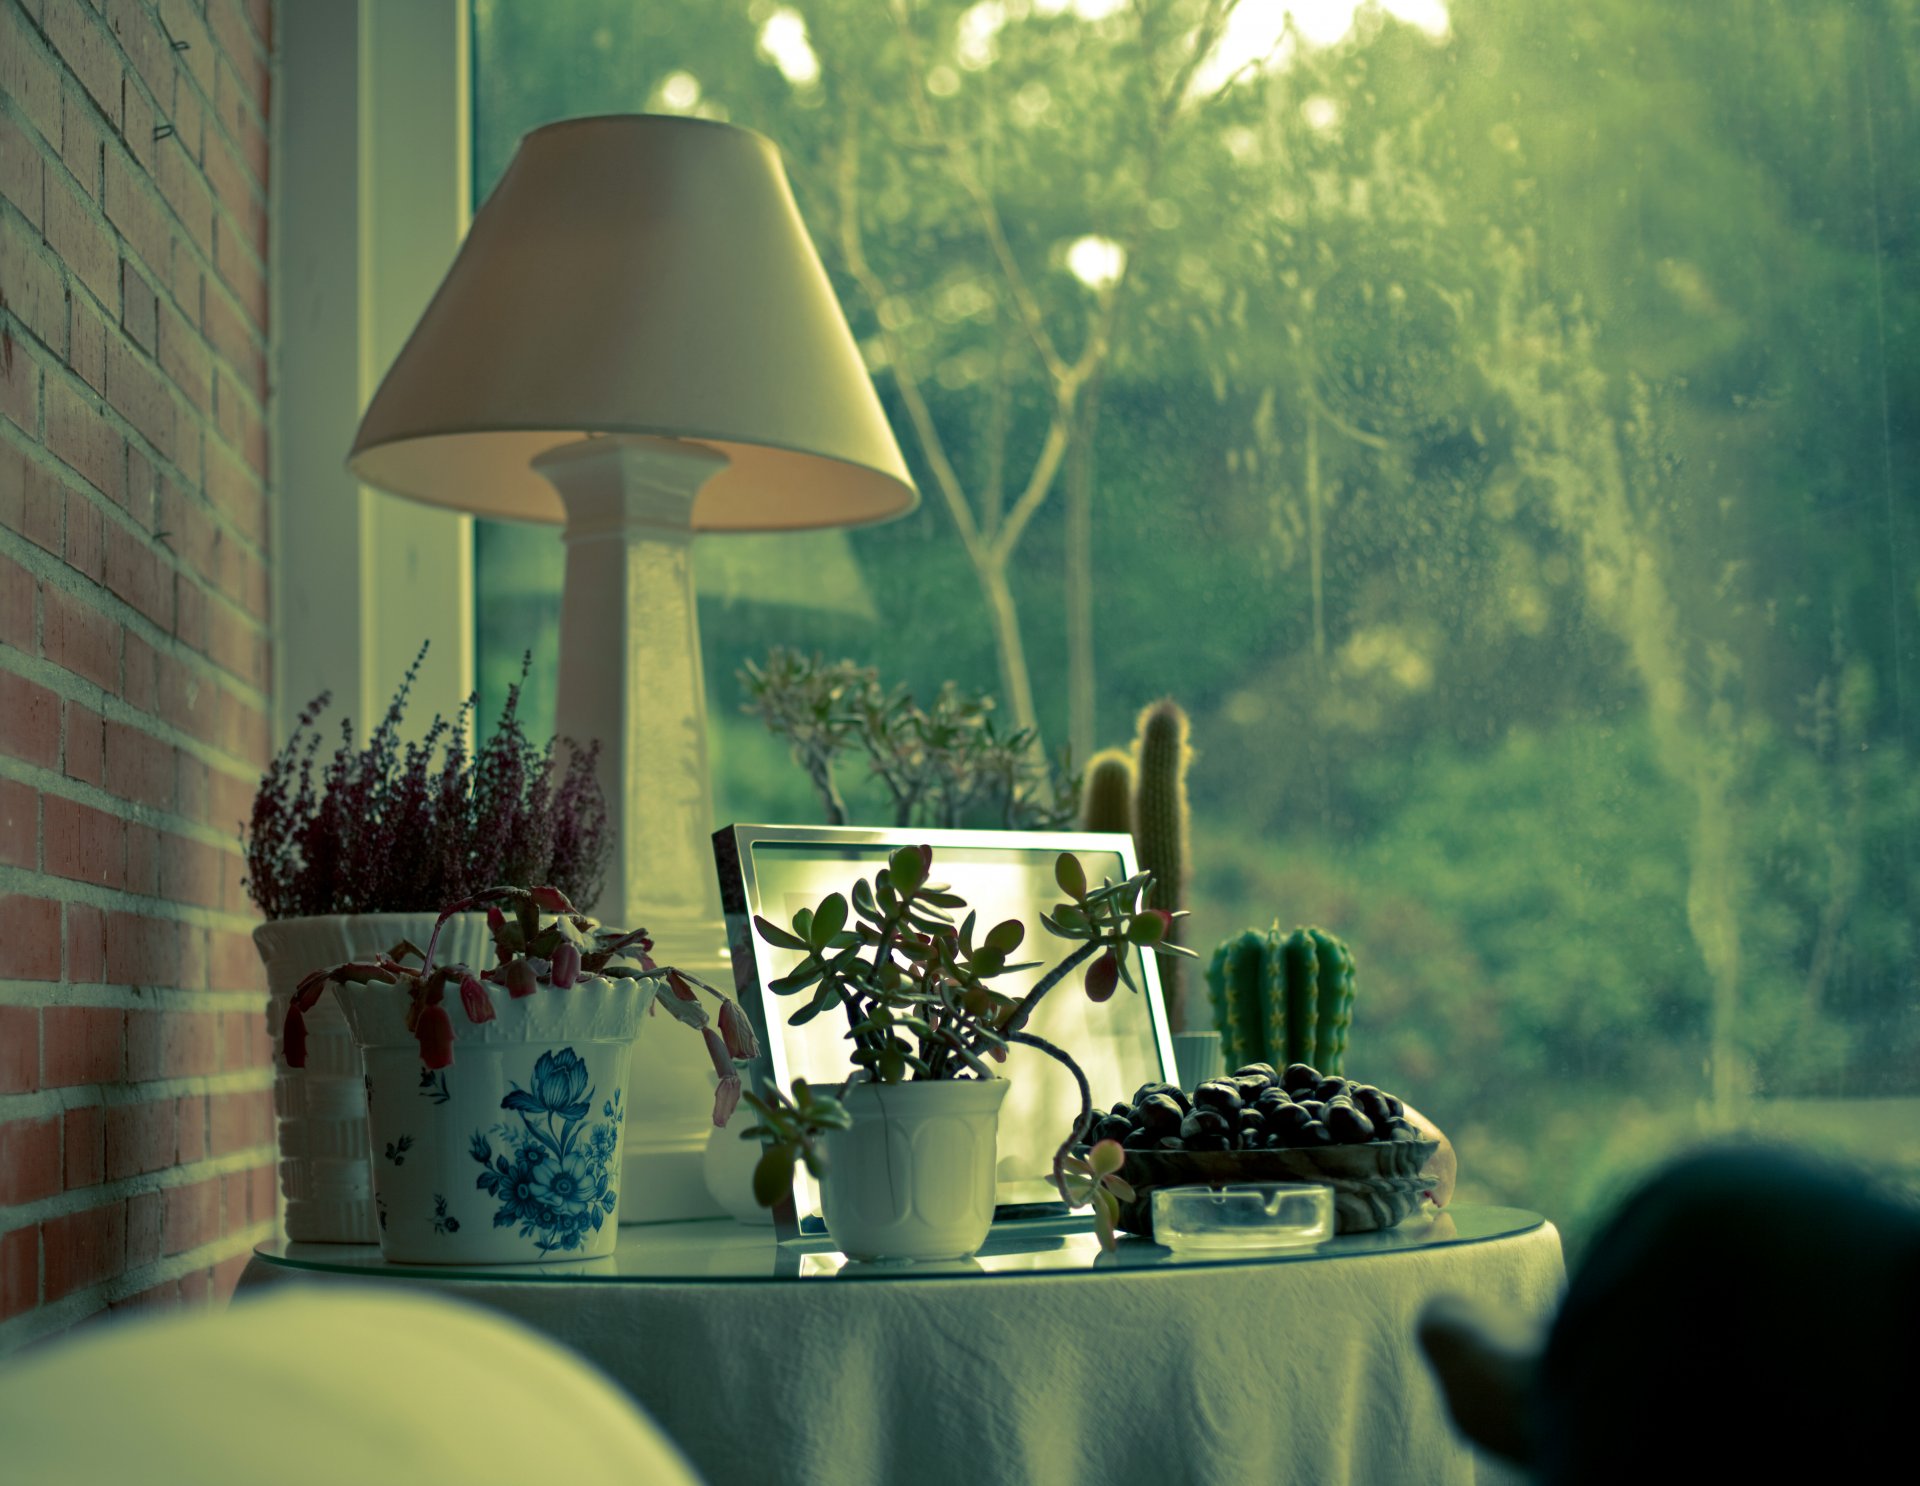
(774, 870)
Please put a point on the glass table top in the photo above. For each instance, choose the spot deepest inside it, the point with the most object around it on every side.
(721, 1250)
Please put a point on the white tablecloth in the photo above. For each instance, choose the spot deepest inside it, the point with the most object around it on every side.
(1248, 1375)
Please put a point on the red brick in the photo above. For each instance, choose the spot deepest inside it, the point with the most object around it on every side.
(172, 1044)
(249, 137)
(20, 388)
(190, 1124)
(81, 1045)
(138, 122)
(85, 1147)
(29, 938)
(142, 951)
(17, 593)
(19, 1271)
(185, 189)
(235, 342)
(86, 535)
(188, 701)
(232, 801)
(233, 644)
(87, 344)
(28, 75)
(83, 844)
(43, 511)
(146, 48)
(234, 962)
(29, 1160)
(236, 1121)
(192, 870)
(146, 1223)
(84, 439)
(29, 275)
(29, 721)
(141, 686)
(143, 859)
(20, 173)
(137, 391)
(84, 1248)
(193, 1215)
(143, 487)
(139, 766)
(85, 736)
(81, 137)
(183, 356)
(86, 944)
(139, 1138)
(139, 574)
(79, 637)
(19, 1049)
(80, 239)
(139, 307)
(196, 1287)
(85, 46)
(19, 825)
(161, 1297)
(131, 207)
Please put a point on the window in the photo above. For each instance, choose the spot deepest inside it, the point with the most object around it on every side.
(1492, 421)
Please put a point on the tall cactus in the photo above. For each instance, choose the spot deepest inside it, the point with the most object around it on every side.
(1107, 801)
(1283, 998)
(1161, 756)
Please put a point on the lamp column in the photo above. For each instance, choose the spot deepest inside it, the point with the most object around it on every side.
(631, 677)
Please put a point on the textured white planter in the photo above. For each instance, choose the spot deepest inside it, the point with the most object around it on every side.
(914, 1177)
(512, 1154)
(322, 1108)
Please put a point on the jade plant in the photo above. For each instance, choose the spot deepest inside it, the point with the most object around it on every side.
(1283, 998)
(542, 944)
(918, 995)
(947, 763)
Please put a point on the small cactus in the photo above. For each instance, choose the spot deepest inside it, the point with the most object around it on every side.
(1107, 804)
(1283, 998)
(1161, 756)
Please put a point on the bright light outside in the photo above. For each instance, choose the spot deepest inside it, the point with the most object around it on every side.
(784, 39)
(1256, 33)
(1097, 262)
(680, 91)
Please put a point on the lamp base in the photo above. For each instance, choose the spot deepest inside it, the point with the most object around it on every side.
(631, 679)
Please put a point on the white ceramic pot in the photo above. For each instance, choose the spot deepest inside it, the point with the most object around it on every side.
(914, 1176)
(322, 1108)
(510, 1155)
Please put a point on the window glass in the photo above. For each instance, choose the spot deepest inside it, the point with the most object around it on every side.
(1493, 421)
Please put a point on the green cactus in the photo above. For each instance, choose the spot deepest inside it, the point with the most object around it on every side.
(1107, 803)
(1161, 756)
(1283, 998)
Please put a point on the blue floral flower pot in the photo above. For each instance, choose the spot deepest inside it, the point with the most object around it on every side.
(511, 1154)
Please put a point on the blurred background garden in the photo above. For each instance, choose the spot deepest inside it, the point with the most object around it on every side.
(1494, 422)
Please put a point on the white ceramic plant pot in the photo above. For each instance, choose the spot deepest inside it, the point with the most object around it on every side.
(322, 1108)
(914, 1176)
(511, 1155)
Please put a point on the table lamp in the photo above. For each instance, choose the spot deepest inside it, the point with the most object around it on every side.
(637, 340)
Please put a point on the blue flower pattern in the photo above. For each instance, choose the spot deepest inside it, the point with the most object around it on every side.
(551, 1179)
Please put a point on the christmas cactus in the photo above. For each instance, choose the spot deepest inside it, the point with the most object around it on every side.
(542, 944)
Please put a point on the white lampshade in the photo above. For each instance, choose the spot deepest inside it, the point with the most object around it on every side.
(638, 274)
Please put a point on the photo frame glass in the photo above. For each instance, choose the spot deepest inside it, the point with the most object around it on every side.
(774, 871)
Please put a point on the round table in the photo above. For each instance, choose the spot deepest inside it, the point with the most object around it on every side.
(1042, 1361)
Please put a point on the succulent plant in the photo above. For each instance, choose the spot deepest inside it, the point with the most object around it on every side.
(1283, 998)
(944, 764)
(1161, 821)
(567, 951)
(917, 995)
(1107, 802)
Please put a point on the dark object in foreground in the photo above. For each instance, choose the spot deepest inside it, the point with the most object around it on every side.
(1682, 1350)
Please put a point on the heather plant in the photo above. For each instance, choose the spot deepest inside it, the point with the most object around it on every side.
(404, 827)
(947, 763)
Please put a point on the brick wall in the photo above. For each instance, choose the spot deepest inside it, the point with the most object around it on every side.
(136, 1125)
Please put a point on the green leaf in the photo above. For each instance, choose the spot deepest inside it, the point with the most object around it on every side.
(827, 922)
(1006, 936)
(773, 1174)
(1071, 876)
(775, 935)
(908, 868)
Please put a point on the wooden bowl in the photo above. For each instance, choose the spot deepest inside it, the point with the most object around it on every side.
(1375, 1185)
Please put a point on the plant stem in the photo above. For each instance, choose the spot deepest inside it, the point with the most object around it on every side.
(1051, 979)
(1085, 1117)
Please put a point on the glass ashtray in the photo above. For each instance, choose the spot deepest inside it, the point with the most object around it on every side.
(1242, 1216)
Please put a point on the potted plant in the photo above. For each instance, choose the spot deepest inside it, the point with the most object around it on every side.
(349, 857)
(525, 1081)
(905, 1149)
